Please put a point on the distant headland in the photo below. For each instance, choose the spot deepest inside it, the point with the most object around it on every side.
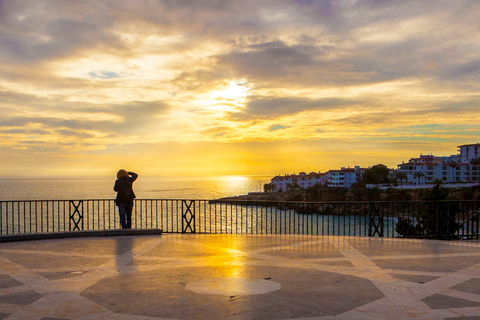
(458, 174)
(424, 171)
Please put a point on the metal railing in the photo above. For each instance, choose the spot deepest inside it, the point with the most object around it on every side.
(380, 219)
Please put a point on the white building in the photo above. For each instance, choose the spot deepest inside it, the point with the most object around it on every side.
(448, 169)
(344, 177)
(469, 152)
(341, 178)
(302, 180)
(451, 169)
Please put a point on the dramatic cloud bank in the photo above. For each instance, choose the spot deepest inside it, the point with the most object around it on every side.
(202, 87)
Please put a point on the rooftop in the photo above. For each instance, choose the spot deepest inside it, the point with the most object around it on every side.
(197, 276)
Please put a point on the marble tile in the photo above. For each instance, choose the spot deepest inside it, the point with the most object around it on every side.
(305, 251)
(23, 298)
(45, 261)
(438, 264)
(413, 278)
(61, 275)
(307, 277)
(439, 301)
(8, 282)
(316, 292)
(3, 315)
(470, 286)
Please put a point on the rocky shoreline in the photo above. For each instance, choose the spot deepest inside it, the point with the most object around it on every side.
(324, 194)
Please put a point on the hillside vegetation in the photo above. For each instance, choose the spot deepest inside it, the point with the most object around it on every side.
(320, 193)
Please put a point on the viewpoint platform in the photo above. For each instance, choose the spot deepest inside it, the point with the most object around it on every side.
(198, 276)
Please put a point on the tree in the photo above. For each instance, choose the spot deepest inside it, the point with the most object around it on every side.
(376, 174)
(475, 162)
(419, 175)
(267, 187)
(402, 176)
(453, 164)
(437, 219)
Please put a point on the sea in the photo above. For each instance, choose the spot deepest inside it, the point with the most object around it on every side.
(145, 187)
(166, 188)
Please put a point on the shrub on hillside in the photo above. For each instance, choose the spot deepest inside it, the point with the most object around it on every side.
(437, 219)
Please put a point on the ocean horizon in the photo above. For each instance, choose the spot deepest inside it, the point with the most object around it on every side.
(17, 188)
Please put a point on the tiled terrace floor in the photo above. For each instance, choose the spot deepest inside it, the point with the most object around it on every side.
(239, 277)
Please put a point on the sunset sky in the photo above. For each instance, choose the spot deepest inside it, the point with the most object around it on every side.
(230, 87)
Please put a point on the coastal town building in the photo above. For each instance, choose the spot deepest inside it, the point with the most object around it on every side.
(424, 170)
(430, 169)
(344, 177)
(301, 180)
(468, 152)
(341, 178)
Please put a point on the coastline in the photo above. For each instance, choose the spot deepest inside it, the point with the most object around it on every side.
(327, 194)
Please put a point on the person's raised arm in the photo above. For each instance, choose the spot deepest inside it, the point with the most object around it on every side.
(133, 175)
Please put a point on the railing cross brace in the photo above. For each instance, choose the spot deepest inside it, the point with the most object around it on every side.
(188, 217)
(375, 214)
(72, 215)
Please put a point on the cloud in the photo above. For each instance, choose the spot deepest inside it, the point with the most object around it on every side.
(463, 71)
(276, 59)
(273, 108)
(45, 30)
(75, 119)
(78, 76)
(74, 133)
(25, 131)
(139, 116)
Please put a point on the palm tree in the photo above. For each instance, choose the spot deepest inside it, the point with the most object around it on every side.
(453, 164)
(419, 175)
(402, 176)
(475, 162)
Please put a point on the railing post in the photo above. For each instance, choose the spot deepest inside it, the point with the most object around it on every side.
(477, 223)
(76, 216)
(1, 217)
(188, 216)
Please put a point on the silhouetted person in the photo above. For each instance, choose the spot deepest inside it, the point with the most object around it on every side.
(125, 195)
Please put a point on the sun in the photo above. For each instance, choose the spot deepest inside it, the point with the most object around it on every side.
(235, 90)
(232, 96)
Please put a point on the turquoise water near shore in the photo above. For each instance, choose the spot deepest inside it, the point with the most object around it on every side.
(146, 187)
